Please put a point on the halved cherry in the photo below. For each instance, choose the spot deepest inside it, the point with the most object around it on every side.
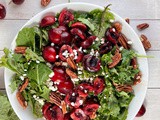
(78, 32)
(88, 42)
(59, 75)
(65, 52)
(91, 63)
(141, 112)
(2, 11)
(79, 25)
(106, 47)
(49, 54)
(65, 38)
(65, 17)
(78, 114)
(65, 87)
(67, 116)
(90, 108)
(112, 35)
(84, 89)
(55, 35)
(52, 112)
(72, 99)
(99, 85)
(47, 21)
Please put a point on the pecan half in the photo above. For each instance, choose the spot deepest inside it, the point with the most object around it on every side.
(55, 98)
(134, 63)
(123, 41)
(21, 99)
(64, 107)
(145, 42)
(24, 85)
(61, 64)
(20, 50)
(71, 63)
(125, 88)
(115, 59)
(71, 73)
(142, 26)
(127, 20)
(45, 2)
(117, 26)
(137, 78)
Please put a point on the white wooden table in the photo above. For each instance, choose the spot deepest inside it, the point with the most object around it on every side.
(138, 11)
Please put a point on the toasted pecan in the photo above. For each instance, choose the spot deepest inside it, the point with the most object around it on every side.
(137, 78)
(127, 20)
(71, 63)
(142, 26)
(55, 98)
(117, 26)
(64, 107)
(20, 49)
(123, 41)
(125, 88)
(71, 73)
(115, 59)
(45, 2)
(21, 99)
(24, 85)
(134, 63)
(145, 42)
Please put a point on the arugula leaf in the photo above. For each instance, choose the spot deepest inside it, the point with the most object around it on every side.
(30, 55)
(87, 22)
(7, 112)
(106, 58)
(45, 93)
(39, 73)
(26, 37)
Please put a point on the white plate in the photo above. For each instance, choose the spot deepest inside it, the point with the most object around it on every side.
(140, 89)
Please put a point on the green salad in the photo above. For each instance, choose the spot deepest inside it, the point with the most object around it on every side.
(74, 66)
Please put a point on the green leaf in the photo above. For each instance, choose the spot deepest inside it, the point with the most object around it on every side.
(87, 22)
(26, 37)
(39, 73)
(30, 55)
(7, 112)
(45, 93)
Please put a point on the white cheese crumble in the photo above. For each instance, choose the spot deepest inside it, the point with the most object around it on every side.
(121, 48)
(92, 52)
(73, 94)
(24, 75)
(49, 65)
(114, 30)
(57, 56)
(53, 88)
(79, 72)
(130, 42)
(97, 39)
(64, 64)
(81, 102)
(111, 20)
(37, 61)
(25, 70)
(51, 74)
(85, 50)
(80, 49)
(65, 53)
(21, 77)
(75, 79)
(72, 103)
(52, 44)
(85, 91)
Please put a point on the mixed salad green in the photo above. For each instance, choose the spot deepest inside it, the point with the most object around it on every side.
(113, 100)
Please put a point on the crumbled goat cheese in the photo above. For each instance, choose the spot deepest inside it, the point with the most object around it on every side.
(85, 91)
(52, 44)
(37, 61)
(49, 64)
(72, 103)
(75, 79)
(64, 64)
(51, 74)
(57, 56)
(121, 48)
(97, 39)
(85, 50)
(130, 42)
(25, 70)
(111, 20)
(65, 53)
(114, 30)
(53, 88)
(81, 102)
(80, 49)
(79, 72)
(92, 52)
(73, 94)
(21, 77)
(24, 75)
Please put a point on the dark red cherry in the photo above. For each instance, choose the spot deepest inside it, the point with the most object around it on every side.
(90, 108)
(67, 116)
(62, 28)
(84, 89)
(79, 25)
(72, 99)
(106, 47)
(78, 114)
(59, 75)
(65, 52)
(49, 54)
(88, 42)
(91, 63)
(55, 35)
(18, 2)
(47, 21)
(141, 112)
(78, 32)
(99, 85)
(65, 38)
(2, 11)
(52, 112)
(65, 87)
(112, 35)
(65, 17)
